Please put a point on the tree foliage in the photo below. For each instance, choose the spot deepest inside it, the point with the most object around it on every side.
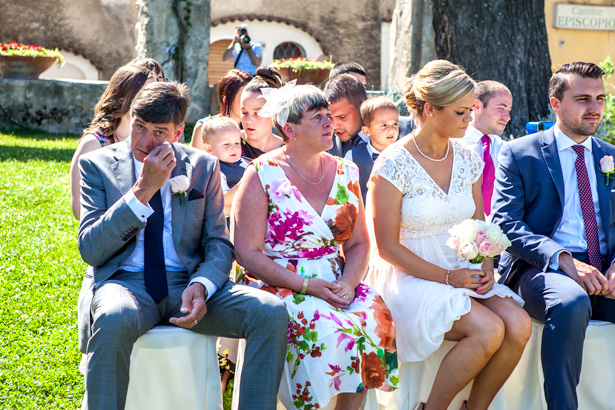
(501, 40)
(607, 128)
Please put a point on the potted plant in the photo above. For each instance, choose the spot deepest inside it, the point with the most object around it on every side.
(26, 61)
(305, 70)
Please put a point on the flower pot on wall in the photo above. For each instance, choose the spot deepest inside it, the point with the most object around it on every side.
(315, 77)
(23, 67)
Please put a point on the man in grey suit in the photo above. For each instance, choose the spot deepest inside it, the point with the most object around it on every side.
(163, 257)
(558, 210)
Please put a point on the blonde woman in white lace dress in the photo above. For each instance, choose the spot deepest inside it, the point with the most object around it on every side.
(421, 186)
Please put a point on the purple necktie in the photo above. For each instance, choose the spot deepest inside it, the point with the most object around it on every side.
(488, 174)
(587, 208)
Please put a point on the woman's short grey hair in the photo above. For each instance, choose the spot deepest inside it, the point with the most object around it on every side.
(306, 98)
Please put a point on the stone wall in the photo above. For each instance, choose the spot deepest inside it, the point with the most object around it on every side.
(100, 30)
(49, 105)
(183, 27)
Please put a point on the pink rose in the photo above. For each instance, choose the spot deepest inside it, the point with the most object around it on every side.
(480, 237)
(486, 249)
(453, 242)
(468, 250)
(498, 248)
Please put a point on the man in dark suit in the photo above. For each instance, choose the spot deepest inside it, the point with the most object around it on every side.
(161, 256)
(345, 93)
(558, 209)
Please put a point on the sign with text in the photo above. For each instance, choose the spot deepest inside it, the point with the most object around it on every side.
(582, 17)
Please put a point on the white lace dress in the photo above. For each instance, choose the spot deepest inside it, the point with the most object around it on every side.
(423, 311)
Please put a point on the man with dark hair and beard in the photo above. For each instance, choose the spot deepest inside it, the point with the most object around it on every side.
(555, 204)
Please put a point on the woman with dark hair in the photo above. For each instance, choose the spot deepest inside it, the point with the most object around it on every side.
(111, 121)
(229, 92)
(258, 136)
(152, 65)
(299, 231)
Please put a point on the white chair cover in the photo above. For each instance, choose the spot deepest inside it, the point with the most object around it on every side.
(174, 368)
(524, 388)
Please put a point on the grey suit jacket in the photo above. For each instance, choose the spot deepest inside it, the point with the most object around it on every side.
(528, 201)
(109, 229)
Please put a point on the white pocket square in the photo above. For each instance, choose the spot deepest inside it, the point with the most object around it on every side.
(612, 190)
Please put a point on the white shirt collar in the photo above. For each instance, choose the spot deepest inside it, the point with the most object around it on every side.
(563, 141)
(363, 136)
(371, 149)
(138, 166)
(476, 135)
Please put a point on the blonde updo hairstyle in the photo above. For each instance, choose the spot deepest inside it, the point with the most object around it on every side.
(305, 98)
(439, 83)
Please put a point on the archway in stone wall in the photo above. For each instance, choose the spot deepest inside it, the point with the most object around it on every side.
(76, 67)
(272, 33)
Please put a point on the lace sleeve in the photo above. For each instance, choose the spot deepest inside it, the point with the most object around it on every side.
(391, 166)
(472, 162)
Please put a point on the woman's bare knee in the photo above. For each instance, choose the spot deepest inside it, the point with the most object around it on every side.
(518, 327)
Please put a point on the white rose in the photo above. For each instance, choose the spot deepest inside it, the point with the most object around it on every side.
(179, 184)
(468, 250)
(606, 164)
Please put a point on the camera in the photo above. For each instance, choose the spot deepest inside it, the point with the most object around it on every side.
(244, 33)
(533, 127)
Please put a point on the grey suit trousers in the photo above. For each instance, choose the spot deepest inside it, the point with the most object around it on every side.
(122, 311)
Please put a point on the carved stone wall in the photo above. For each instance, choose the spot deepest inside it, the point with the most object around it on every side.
(100, 30)
(48, 105)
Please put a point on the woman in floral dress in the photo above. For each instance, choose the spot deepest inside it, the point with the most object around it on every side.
(298, 216)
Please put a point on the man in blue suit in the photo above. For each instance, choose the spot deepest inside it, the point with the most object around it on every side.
(558, 209)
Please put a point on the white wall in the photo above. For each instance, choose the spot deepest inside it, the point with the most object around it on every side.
(75, 67)
(269, 35)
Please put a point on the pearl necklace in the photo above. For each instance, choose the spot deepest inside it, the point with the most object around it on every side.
(429, 158)
(322, 166)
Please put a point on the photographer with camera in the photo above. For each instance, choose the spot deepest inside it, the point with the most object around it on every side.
(246, 54)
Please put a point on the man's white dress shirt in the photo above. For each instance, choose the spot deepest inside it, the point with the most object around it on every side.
(571, 231)
(472, 140)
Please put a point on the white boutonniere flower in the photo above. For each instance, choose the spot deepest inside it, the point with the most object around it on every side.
(179, 186)
(607, 167)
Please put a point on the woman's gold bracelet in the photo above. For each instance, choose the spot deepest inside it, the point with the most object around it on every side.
(448, 272)
(306, 281)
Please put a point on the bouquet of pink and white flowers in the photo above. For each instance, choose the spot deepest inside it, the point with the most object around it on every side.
(475, 240)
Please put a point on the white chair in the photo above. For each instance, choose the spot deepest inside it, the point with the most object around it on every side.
(174, 368)
(524, 388)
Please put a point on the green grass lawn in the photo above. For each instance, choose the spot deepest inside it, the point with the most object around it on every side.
(40, 274)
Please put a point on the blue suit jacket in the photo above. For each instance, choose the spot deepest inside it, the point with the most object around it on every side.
(528, 201)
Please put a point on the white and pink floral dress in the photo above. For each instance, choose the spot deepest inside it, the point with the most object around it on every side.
(330, 350)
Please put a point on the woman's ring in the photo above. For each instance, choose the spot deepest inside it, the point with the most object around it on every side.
(346, 297)
(196, 322)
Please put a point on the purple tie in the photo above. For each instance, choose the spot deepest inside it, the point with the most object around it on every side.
(488, 174)
(587, 209)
